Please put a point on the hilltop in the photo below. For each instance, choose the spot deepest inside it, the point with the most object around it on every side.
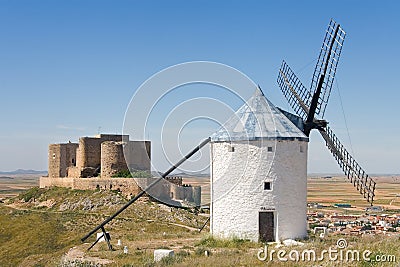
(39, 226)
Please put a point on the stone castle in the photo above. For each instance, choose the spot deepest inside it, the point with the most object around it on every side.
(96, 162)
(100, 155)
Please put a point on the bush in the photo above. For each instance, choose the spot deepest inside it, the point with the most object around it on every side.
(182, 253)
(33, 193)
(124, 174)
(132, 174)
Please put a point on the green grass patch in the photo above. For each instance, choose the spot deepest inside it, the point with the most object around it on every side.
(33, 193)
(132, 174)
(212, 242)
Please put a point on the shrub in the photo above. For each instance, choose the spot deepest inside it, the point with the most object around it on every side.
(182, 253)
(33, 193)
(124, 173)
(132, 174)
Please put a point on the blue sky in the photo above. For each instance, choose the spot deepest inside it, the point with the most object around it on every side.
(70, 67)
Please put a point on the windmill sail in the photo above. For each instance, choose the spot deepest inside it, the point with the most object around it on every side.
(298, 96)
(357, 176)
(310, 102)
(325, 69)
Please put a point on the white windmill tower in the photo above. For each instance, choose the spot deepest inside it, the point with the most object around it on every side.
(259, 157)
(259, 175)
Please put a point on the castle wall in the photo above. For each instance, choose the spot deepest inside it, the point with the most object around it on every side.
(160, 191)
(177, 192)
(127, 186)
(196, 195)
(174, 179)
(186, 192)
(237, 187)
(73, 172)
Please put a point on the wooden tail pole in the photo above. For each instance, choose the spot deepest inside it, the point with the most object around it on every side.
(101, 226)
(204, 225)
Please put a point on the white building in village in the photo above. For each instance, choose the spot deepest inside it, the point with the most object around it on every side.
(259, 175)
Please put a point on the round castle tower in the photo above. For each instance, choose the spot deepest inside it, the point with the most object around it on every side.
(259, 175)
(112, 158)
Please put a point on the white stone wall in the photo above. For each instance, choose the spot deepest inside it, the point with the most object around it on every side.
(237, 187)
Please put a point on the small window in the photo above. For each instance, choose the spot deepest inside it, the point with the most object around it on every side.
(73, 162)
(231, 149)
(270, 149)
(301, 149)
(54, 155)
(267, 186)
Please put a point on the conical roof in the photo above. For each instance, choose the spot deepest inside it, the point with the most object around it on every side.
(258, 119)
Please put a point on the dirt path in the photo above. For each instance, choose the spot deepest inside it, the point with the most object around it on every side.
(76, 254)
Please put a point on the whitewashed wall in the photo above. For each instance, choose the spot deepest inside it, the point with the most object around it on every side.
(237, 187)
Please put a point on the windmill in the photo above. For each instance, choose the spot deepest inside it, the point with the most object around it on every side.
(259, 157)
(308, 103)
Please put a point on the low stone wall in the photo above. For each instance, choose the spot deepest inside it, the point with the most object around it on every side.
(127, 186)
(163, 191)
(186, 192)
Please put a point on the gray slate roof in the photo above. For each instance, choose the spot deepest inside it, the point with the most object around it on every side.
(258, 119)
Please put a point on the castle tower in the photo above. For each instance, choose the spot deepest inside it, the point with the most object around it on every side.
(112, 158)
(259, 175)
(61, 157)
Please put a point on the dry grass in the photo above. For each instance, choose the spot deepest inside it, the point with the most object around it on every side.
(35, 235)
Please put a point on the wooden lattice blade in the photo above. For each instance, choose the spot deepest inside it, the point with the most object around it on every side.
(327, 63)
(356, 175)
(298, 96)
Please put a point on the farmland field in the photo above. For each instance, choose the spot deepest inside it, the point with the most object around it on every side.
(13, 184)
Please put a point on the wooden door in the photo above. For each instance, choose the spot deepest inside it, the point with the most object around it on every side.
(266, 226)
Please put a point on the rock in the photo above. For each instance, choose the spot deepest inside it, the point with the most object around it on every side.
(162, 253)
(291, 242)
